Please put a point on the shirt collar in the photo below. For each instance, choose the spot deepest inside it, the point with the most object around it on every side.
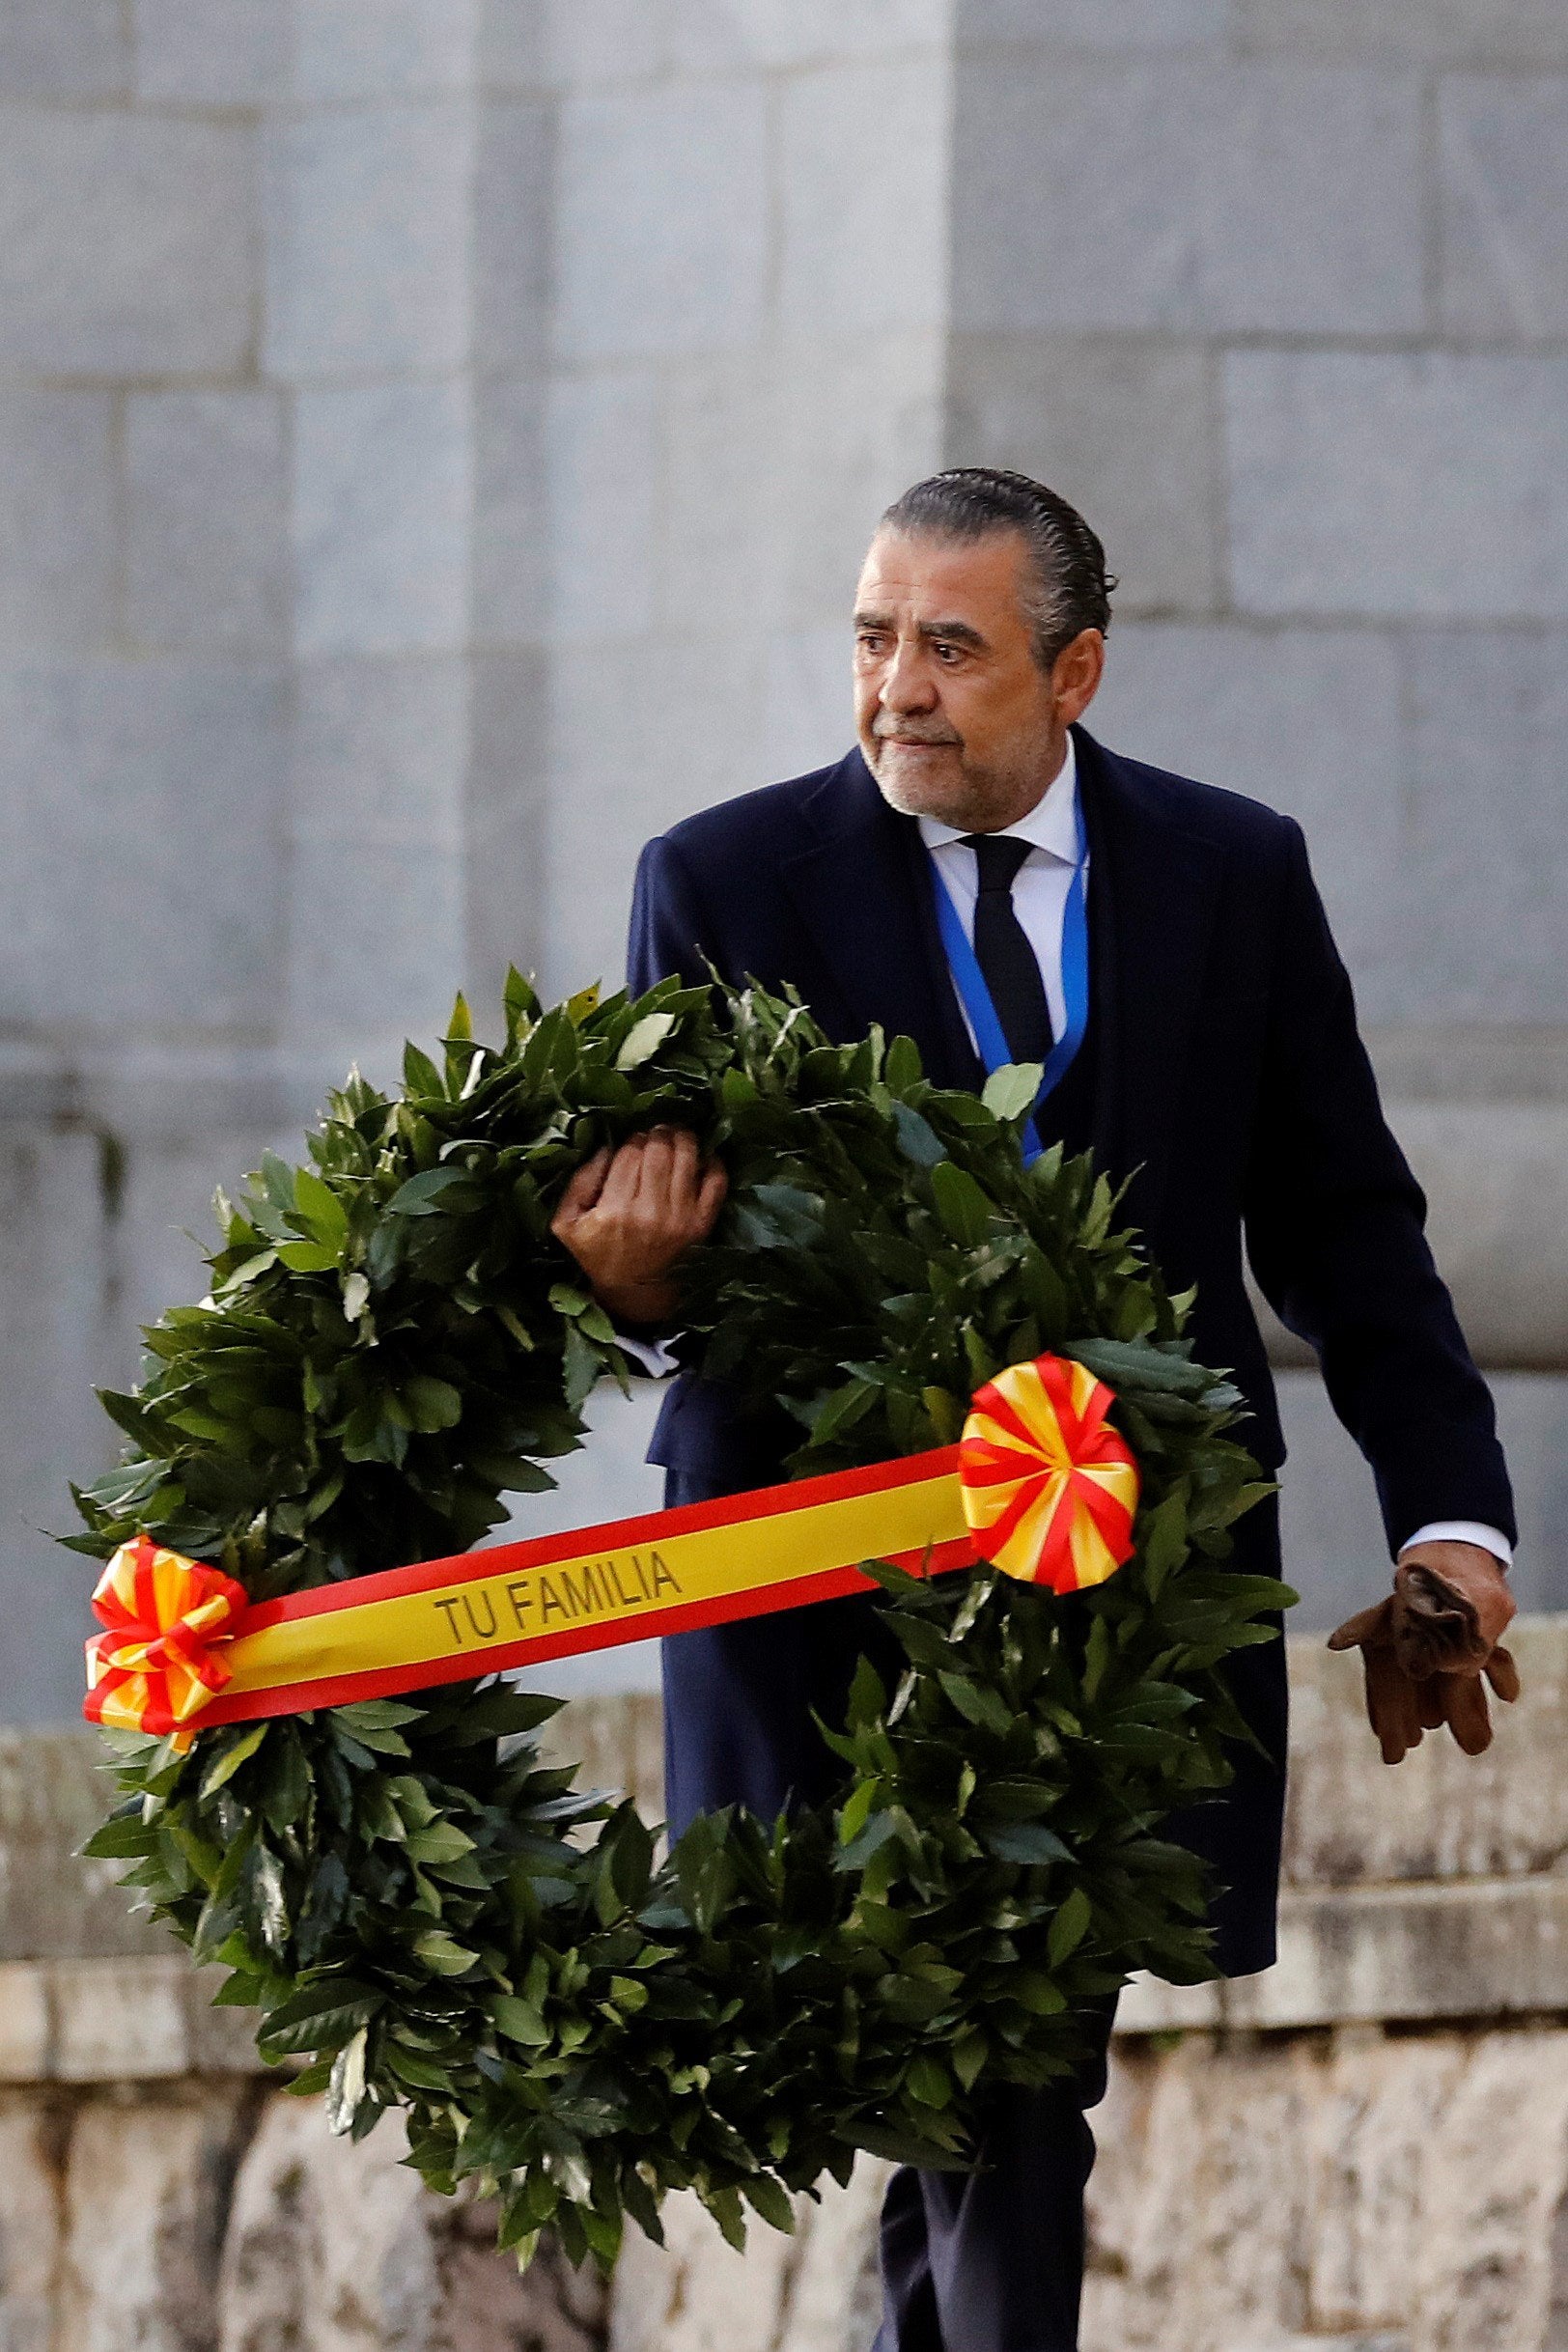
(1051, 824)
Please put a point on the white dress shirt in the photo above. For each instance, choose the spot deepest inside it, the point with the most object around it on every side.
(1040, 903)
(1040, 887)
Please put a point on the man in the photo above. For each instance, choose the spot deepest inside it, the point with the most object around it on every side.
(1199, 1035)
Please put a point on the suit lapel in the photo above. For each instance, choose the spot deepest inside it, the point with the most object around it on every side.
(863, 892)
(1153, 894)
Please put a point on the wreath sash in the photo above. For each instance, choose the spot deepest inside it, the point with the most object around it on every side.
(1054, 1503)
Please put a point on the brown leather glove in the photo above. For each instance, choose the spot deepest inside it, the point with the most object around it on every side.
(1427, 1648)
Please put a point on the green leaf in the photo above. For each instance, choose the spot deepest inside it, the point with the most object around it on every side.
(431, 1404)
(1069, 1928)
(442, 1843)
(1010, 1091)
(1025, 1841)
(306, 1257)
(122, 1839)
(320, 2016)
(319, 1210)
(519, 2021)
(964, 1208)
(856, 1811)
(346, 2084)
(644, 1039)
(928, 2081)
(771, 2201)
(443, 1955)
(225, 1765)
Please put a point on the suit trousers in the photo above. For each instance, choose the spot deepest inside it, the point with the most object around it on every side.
(984, 2262)
(992, 2260)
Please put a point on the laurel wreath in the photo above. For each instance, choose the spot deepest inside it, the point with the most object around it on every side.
(430, 1918)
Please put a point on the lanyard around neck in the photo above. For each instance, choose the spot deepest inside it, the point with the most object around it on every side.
(971, 982)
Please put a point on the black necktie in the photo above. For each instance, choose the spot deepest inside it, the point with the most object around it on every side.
(1003, 950)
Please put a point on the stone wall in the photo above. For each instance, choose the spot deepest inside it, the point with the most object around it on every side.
(1365, 2150)
(436, 440)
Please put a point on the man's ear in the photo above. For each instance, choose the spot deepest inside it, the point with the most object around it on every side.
(1076, 675)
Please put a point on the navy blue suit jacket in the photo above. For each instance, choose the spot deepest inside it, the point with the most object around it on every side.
(1230, 1087)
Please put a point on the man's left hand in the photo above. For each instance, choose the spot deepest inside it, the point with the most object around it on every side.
(1427, 1647)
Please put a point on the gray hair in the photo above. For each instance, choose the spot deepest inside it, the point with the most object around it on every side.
(1070, 590)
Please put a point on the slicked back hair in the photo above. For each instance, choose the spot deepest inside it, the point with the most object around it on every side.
(1069, 589)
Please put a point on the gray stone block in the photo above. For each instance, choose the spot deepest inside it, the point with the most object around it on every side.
(502, 919)
(212, 52)
(1443, 1816)
(1509, 33)
(584, 44)
(865, 250)
(375, 943)
(1471, 1061)
(1308, 722)
(730, 460)
(1165, 157)
(778, 475)
(1335, 1552)
(383, 49)
(63, 49)
(725, 33)
(1093, 25)
(58, 525)
(808, 711)
(506, 824)
(672, 737)
(383, 492)
(367, 242)
(207, 520)
(1496, 1178)
(662, 226)
(139, 816)
(380, 751)
(511, 236)
(511, 49)
(53, 1796)
(511, 526)
(1487, 846)
(1428, 486)
(54, 1274)
(1504, 153)
(509, 745)
(125, 244)
(601, 470)
(1125, 428)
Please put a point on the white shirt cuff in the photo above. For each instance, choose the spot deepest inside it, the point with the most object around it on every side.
(652, 1354)
(1463, 1532)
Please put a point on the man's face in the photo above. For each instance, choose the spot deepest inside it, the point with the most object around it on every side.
(956, 717)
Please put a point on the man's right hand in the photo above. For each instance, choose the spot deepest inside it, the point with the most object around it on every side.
(629, 1216)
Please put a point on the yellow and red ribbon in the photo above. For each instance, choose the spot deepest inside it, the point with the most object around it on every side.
(1041, 1484)
(1049, 1487)
(169, 1623)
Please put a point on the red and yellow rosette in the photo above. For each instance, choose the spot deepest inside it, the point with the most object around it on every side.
(1041, 1484)
(167, 1621)
(1049, 1487)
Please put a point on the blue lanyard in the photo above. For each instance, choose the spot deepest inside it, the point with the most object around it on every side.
(971, 982)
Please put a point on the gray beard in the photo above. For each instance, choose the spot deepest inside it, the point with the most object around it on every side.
(975, 814)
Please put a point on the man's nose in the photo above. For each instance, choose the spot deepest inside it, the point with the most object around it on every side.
(908, 684)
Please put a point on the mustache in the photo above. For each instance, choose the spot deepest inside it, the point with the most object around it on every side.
(887, 731)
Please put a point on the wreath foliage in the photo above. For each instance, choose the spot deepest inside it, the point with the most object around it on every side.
(431, 1918)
